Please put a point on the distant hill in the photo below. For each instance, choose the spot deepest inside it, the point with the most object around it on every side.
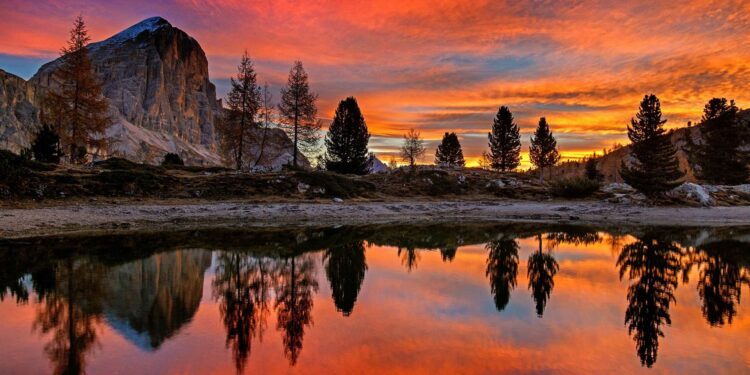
(609, 164)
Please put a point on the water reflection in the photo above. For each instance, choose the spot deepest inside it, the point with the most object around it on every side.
(149, 289)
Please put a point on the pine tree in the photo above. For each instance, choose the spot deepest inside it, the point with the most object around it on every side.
(346, 142)
(243, 100)
(78, 110)
(592, 171)
(655, 168)
(449, 153)
(543, 149)
(46, 146)
(720, 157)
(298, 111)
(504, 142)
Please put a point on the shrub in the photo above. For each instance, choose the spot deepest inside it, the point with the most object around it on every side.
(172, 159)
(575, 187)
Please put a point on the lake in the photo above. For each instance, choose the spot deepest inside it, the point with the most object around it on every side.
(464, 298)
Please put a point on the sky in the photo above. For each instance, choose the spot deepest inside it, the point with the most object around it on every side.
(439, 66)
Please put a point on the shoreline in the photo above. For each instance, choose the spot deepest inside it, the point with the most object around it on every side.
(87, 217)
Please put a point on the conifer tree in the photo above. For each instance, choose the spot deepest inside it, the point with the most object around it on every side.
(449, 153)
(592, 171)
(504, 142)
(413, 148)
(298, 111)
(78, 110)
(720, 156)
(46, 146)
(543, 149)
(347, 138)
(243, 100)
(655, 168)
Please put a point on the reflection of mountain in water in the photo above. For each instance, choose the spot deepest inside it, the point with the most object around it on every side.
(149, 300)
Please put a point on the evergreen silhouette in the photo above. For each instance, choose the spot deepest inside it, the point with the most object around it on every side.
(592, 170)
(346, 142)
(298, 111)
(244, 101)
(720, 157)
(504, 142)
(449, 153)
(502, 269)
(409, 257)
(720, 280)
(46, 146)
(543, 149)
(345, 269)
(652, 266)
(541, 270)
(448, 253)
(655, 168)
(78, 111)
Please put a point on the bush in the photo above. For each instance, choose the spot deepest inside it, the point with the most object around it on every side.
(335, 185)
(172, 159)
(575, 187)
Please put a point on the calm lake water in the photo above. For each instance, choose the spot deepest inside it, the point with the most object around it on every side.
(385, 299)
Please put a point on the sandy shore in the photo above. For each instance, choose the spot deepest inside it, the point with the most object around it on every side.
(89, 217)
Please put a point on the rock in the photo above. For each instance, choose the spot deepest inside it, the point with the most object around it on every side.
(693, 192)
(302, 187)
(19, 118)
(338, 200)
(618, 187)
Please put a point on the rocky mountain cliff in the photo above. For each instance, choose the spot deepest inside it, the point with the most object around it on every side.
(19, 117)
(155, 77)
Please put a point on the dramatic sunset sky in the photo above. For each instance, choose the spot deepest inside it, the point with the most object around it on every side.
(446, 65)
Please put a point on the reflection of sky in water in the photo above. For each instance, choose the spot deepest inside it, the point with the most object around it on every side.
(437, 318)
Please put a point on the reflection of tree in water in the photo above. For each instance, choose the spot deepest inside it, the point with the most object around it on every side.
(345, 269)
(502, 269)
(71, 311)
(294, 302)
(448, 253)
(575, 236)
(242, 285)
(541, 271)
(653, 267)
(720, 280)
(409, 257)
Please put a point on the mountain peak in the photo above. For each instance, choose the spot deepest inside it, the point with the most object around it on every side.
(149, 24)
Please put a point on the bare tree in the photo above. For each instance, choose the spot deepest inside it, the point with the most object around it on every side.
(413, 147)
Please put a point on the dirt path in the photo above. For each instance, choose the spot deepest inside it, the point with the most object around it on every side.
(53, 220)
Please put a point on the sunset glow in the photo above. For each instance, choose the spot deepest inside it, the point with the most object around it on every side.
(448, 65)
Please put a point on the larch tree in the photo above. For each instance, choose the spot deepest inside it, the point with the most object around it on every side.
(298, 112)
(413, 148)
(543, 149)
(243, 101)
(504, 142)
(654, 168)
(720, 156)
(78, 111)
(347, 138)
(449, 153)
